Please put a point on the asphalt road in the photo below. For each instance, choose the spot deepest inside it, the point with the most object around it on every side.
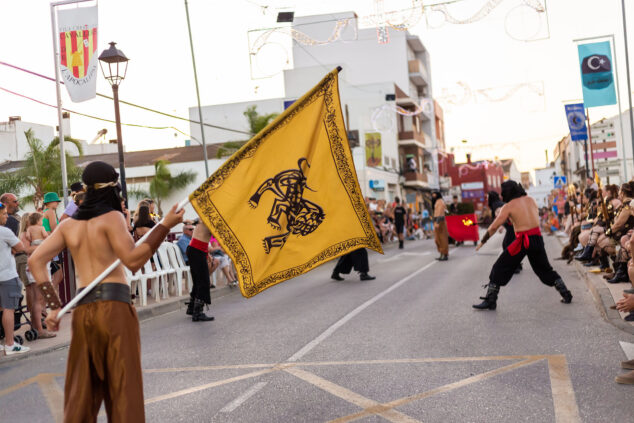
(405, 347)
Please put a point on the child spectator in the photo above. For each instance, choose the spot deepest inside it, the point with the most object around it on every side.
(32, 234)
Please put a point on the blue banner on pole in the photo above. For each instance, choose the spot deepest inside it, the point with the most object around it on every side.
(576, 117)
(595, 61)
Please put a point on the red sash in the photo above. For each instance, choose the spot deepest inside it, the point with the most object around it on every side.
(199, 245)
(521, 238)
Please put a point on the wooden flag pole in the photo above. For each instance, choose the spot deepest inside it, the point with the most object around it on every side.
(109, 270)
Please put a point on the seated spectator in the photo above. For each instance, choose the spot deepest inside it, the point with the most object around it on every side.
(224, 264)
(143, 223)
(183, 241)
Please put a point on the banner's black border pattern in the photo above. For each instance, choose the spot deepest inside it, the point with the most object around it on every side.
(339, 147)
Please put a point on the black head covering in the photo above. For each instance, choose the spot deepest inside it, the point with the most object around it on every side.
(494, 198)
(76, 187)
(435, 196)
(495, 202)
(511, 190)
(103, 193)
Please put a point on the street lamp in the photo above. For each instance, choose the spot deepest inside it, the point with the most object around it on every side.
(116, 63)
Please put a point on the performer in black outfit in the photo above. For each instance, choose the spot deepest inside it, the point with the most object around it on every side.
(523, 211)
(509, 236)
(399, 220)
(357, 259)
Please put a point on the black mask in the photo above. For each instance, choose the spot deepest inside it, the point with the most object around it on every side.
(103, 194)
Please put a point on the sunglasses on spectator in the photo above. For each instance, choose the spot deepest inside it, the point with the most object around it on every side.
(1, 206)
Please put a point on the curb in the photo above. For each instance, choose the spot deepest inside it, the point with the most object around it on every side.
(147, 313)
(604, 301)
(602, 298)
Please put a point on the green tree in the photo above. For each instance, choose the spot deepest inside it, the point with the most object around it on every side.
(42, 170)
(256, 121)
(163, 183)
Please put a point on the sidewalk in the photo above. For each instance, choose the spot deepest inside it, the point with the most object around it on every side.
(605, 294)
(153, 309)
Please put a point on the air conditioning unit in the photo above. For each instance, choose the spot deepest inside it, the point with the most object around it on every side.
(353, 138)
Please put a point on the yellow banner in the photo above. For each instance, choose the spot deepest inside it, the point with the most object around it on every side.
(289, 200)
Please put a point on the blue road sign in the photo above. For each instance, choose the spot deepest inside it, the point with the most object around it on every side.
(560, 181)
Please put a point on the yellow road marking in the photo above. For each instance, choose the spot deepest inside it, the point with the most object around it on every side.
(203, 368)
(347, 363)
(208, 385)
(351, 397)
(439, 390)
(564, 400)
(53, 395)
(34, 379)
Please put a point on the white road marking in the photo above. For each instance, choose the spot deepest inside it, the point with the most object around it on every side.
(242, 398)
(628, 349)
(325, 334)
(426, 253)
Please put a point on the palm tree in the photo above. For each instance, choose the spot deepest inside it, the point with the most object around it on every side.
(42, 171)
(256, 121)
(164, 183)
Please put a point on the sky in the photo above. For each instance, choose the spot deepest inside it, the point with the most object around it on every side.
(471, 65)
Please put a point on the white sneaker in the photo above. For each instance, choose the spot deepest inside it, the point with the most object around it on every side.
(15, 349)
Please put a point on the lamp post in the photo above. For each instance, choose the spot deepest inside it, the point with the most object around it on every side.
(116, 64)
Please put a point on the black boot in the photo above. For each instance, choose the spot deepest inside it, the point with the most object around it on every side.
(190, 306)
(335, 276)
(400, 244)
(198, 314)
(620, 273)
(365, 277)
(566, 295)
(604, 261)
(586, 254)
(490, 299)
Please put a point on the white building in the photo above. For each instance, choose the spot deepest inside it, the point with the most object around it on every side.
(376, 78)
(13, 143)
(544, 184)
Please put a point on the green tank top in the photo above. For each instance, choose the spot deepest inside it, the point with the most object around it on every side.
(47, 224)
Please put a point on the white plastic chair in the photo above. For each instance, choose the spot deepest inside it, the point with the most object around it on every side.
(167, 251)
(168, 274)
(134, 279)
(175, 256)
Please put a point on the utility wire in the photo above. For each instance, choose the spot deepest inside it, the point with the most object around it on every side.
(129, 104)
(94, 117)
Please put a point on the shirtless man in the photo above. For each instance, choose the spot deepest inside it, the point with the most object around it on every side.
(197, 256)
(524, 213)
(440, 227)
(104, 360)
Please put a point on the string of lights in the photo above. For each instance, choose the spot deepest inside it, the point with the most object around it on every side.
(400, 19)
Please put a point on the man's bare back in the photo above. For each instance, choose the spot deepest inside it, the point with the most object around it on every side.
(522, 211)
(201, 233)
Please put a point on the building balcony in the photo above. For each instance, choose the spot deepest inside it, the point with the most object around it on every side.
(415, 179)
(414, 137)
(418, 73)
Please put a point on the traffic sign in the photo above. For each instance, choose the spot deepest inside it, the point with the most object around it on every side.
(560, 181)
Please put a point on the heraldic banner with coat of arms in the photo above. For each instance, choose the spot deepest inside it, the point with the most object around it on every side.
(289, 199)
(77, 29)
